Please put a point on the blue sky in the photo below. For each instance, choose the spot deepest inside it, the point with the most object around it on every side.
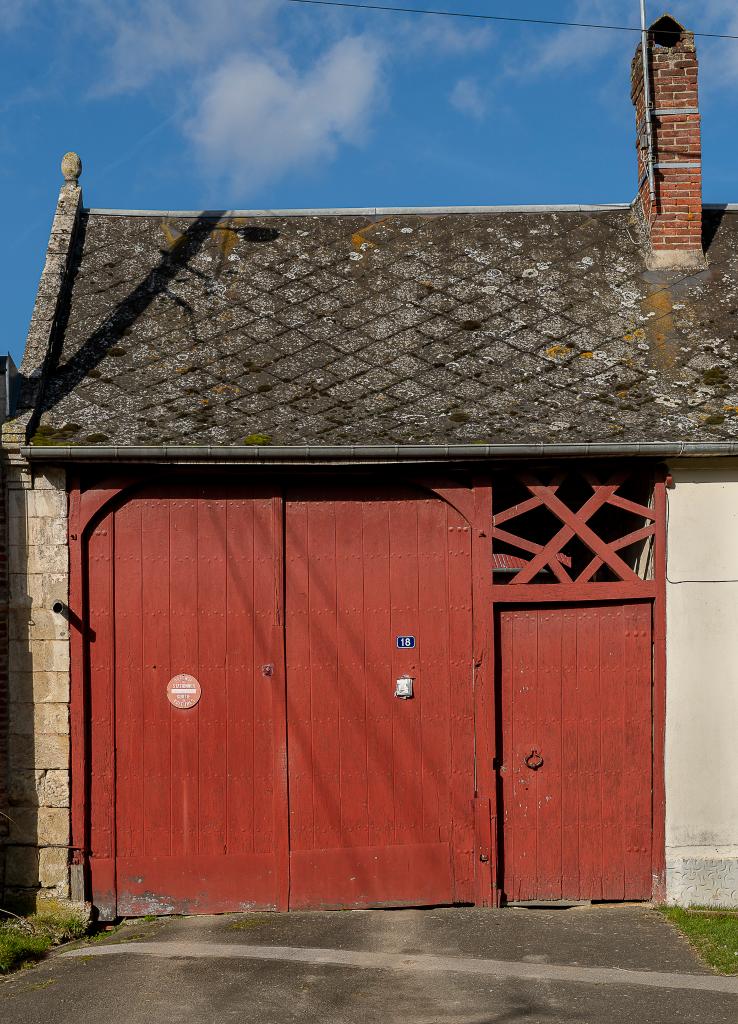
(186, 104)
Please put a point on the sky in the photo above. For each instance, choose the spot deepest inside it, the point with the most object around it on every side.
(252, 104)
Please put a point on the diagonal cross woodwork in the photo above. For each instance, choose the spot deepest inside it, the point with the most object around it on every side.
(576, 528)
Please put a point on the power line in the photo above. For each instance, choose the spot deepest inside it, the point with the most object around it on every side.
(496, 17)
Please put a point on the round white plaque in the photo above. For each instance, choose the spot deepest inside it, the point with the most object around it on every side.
(183, 691)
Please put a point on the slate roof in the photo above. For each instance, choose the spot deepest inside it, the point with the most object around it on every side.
(411, 328)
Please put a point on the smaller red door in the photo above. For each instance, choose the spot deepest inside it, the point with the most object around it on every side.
(576, 751)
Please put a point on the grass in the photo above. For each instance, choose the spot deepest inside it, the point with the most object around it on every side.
(23, 941)
(18, 948)
(713, 933)
(104, 933)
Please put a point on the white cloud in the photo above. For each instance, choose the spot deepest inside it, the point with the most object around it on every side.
(269, 88)
(260, 87)
(444, 36)
(257, 119)
(146, 38)
(468, 97)
(570, 49)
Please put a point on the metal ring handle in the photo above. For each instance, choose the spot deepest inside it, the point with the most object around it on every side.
(534, 760)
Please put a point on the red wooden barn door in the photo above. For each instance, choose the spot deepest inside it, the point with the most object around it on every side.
(380, 789)
(576, 751)
(185, 815)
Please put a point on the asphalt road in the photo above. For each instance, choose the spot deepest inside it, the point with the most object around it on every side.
(466, 966)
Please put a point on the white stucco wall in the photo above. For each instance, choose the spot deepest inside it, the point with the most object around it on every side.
(702, 684)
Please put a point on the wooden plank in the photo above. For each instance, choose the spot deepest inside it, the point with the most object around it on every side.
(539, 593)
(402, 597)
(184, 646)
(129, 674)
(515, 541)
(241, 782)
(379, 688)
(157, 672)
(324, 681)
(102, 719)
(484, 698)
(212, 711)
(637, 780)
(485, 853)
(634, 507)
(299, 713)
(274, 629)
(517, 510)
(433, 658)
(590, 754)
(256, 615)
(460, 619)
(350, 692)
(615, 681)
(524, 739)
(548, 780)
(570, 705)
(504, 635)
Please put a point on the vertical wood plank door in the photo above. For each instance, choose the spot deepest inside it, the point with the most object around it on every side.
(576, 769)
(380, 789)
(192, 797)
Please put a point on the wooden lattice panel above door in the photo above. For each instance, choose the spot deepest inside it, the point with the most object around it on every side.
(575, 533)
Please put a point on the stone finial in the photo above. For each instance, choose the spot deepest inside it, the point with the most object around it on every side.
(71, 167)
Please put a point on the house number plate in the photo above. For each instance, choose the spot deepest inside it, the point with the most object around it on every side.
(183, 691)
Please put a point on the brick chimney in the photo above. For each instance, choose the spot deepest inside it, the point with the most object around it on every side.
(672, 216)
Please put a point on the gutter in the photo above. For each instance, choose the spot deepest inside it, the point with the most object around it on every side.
(266, 454)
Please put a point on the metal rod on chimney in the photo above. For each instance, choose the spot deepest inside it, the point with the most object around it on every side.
(648, 114)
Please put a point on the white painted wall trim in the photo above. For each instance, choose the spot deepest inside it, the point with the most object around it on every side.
(702, 684)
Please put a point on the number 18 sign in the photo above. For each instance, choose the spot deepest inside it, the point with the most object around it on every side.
(405, 642)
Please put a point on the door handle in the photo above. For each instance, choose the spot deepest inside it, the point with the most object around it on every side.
(534, 760)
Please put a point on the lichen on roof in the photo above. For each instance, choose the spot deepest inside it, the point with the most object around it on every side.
(409, 329)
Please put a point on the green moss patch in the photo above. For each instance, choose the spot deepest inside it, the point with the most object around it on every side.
(51, 436)
(252, 921)
(713, 933)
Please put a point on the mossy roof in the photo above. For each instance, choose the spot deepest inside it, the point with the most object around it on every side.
(408, 328)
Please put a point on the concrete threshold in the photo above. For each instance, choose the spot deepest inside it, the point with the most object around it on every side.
(500, 969)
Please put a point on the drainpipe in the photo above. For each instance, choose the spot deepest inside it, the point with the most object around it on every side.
(648, 113)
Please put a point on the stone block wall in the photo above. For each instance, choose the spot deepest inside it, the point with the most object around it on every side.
(4, 696)
(37, 843)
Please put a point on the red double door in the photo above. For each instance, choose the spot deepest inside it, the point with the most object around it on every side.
(299, 778)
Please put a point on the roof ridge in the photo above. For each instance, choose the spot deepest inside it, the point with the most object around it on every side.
(365, 211)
